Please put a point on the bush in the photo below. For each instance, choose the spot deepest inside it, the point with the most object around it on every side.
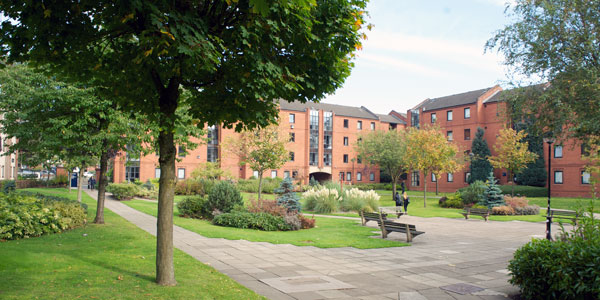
(473, 194)
(442, 200)
(251, 185)
(223, 197)
(321, 199)
(122, 191)
(524, 190)
(9, 186)
(503, 210)
(189, 187)
(293, 221)
(24, 216)
(287, 197)
(515, 202)
(357, 200)
(247, 220)
(149, 185)
(266, 206)
(528, 210)
(452, 201)
(192, 207)
(564, 269)
(306, 222)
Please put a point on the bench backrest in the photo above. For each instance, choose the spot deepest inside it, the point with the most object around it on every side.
(563, 213)
(373, 216)
(389, 223)
(479, 210)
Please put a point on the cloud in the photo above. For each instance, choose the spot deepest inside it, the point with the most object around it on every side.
(384, 61)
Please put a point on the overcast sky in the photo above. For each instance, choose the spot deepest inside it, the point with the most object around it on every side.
(423, 49)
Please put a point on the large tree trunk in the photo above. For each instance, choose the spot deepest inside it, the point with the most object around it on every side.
(102, 181)
(165, 271)
(424, 189)
(260, 175)
(79, 184)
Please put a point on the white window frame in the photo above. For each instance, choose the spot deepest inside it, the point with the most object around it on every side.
(273, 173)
(449, 115)
(359, 176)
(450, 177)
(292, 118)
(561, 177)
(559, 150)
(585, 177)
(156, 172)
(467, 114)
(179, 173)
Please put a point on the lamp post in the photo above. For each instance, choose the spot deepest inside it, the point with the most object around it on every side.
(549, 141)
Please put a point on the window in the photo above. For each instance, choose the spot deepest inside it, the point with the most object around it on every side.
(292, 118)
(433, 179)
(181, 152)
(372, 125)
(450, 177)
(327, 141)
(292, 137)
(255, 174)
(467, 176)
(314, 120)
(467, 134)
(359, 125)
(449, 115)
(348, 176)
(327, 121)
(294, 174)
(585, 149)
(433, 118)
(414, 178)
(558, 151)
(286, 174)
(345, 123)
(132, 172)
(414, 118)
(157, 173)
(291, 156)
(449, 135)
(372, 176)
(327, 159)
(558, 177)
(585, 177)
(359, 176)
(312, 157)
(345, 158)
(181, 173)
(467, 113)
(341, 176)
(345, 141)
(273, 173)
(359, 160)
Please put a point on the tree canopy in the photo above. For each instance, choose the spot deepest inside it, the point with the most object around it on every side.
(555, 43)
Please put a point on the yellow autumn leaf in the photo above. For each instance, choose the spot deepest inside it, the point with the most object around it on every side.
(148, 52)
(167, 34)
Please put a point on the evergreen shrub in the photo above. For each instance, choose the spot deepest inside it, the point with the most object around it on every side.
(223, 197)
(492, 196)
(247, 220)
(473, 194)
(122, 191)
(452, 201)
(287, 197)
(192, 207)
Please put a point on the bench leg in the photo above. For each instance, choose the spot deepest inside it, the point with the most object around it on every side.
(408, 234)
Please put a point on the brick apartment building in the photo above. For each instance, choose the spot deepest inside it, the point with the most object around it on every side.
(321, 146)
(460, 115)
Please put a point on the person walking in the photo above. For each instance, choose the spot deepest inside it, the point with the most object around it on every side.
(405, 199)
(93, 183)
(398, 200)
(89, 183)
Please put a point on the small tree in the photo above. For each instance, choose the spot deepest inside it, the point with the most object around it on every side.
(429, 151)
(211, 171)
(493, 195)
(261, 149)
(512, 153)
(287, 197)
(480, 165)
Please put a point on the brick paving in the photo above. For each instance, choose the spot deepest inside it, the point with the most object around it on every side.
(453, 255)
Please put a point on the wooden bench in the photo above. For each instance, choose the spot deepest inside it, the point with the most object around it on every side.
(367, 216)
(564, 214)
(482, 212)
(388, 226)
(397, 210)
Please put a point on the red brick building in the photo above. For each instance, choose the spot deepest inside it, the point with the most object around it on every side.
(460, 115)
(321, 146)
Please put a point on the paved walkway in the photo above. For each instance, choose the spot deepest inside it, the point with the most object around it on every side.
(455, 259)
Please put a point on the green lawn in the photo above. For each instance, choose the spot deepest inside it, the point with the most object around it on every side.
(112, 261)
(329, 233)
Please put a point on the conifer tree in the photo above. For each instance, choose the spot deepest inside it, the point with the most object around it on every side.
(480, 165)
(287, 197)
(493, 195)
(534, 173)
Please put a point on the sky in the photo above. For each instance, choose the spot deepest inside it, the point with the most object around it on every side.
(424, 49)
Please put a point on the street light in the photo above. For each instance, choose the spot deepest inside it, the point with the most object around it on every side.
(549, 141)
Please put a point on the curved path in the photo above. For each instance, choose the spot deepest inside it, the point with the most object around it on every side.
(454, 259)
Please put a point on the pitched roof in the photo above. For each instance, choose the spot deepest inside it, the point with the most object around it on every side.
(390, 119)
(452, 100)
(340, 110)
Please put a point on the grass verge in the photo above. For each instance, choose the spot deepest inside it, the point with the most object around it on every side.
(111, 261)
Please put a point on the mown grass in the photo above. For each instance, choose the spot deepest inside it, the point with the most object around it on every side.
(111, 261)
(329, 233)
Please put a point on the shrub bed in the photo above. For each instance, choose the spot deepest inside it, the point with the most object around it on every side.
(193, 207)
(322, 199)
(223, 197)
(24, 216)
(247, 220)
(452, 201)
(122, 191)
(251, 185)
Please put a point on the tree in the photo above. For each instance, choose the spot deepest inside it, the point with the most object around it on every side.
(556, 43)
(261, 150)
(512, 153)
(386, 149)
(287, 197)
(480, 165)
(210, 171)
(492, 196)
(534, 173)
(235, 58)
(429, 151)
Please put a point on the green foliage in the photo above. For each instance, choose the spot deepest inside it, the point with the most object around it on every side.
(534, 173)
(527, 210)
(192, 186)
(251, 185)
(313, 182)
(373, 186)
(287, 197)
(452, 201)
(210, 171)
(473, 194)
(358, 200)
(9, 186)
(322, 199)
(28, 216)
(247, 220)
(563, 269)
(122, 191)
(493, 195)
(223, 197)
(480, 166)
(267, 206)
(193, 207)
(149, 185)
(527, 191)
